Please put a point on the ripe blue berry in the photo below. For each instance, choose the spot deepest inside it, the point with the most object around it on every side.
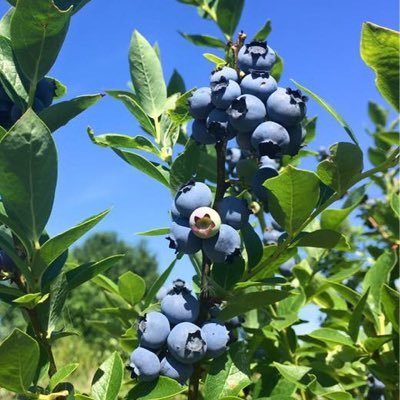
(276, 226)
(192, 195)
(153, 330)
(176, 370)
(224, 92)
(4, 96)
(175, 215)
(234, 322)
(223, 246)
(270, 139)
(243, 140)
(296, 139)
(376, 389)
(323, 154)
(16, 113)
(182, 239)
(271, 237)
(225, 72)
(233, 155)
(45, 91)
(200, 103)
(180, 305)
(7, 266)
(162, 292)
(219, 126)
(286, 268)
(216, 336)
(259, 84)
(246, 113)
(186, 343)
(265, 161)
(201, 134)
(233, 212)
(144, 364)
(259, 178)
(256, 56)
(286, 106)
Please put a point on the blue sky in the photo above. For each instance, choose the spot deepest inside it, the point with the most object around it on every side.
(318, 40)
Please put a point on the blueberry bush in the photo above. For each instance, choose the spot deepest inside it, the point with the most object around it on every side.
(265, 237)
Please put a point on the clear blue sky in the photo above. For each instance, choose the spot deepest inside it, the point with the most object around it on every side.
(318, 40)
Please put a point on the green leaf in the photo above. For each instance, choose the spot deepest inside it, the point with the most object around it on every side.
(8, 294)
(154, 232)
(19, 357)
(251, 301)
(31, 300)
(56, 245)
(374, 343)
(131, 287)
(37, 41)
(390, 303)
(218, 61)
(5, 23)
(204, 40)
(292, 197)
(162, 388)
(63, 373)
(180, 114)
(66, 4)
(61, 113)
(132, 104)
(226, 275)
(253, 244)
(28, 174)
(116, 140)
(311, 128)
(176, 84)
(228, 15)
(377, 275)
(292, 373)
(331, 111)
(154, 170)
(185, 165)
(85, 272)
(321, 238)
(329, 335)
(357, 317)
(395, 203)
(147, 76)
(377, 114)
(9, 75)
(277, 68)
(342, 167)
(107, 380)
(263, 33)
(380, 51)
(228, 374)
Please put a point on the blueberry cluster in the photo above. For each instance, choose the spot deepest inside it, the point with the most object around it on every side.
(248, 105)
(10, 112)
(197, 226)
(170, 342)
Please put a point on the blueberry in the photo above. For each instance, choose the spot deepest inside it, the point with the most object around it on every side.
(45, 91)
(286, 106)
(176, 370)
(182, 239)
(153, 330)
(233, 212)
(270, 139)
(180, 305)
(4, 96)
(271, 237)
(16, 113)
(186, 343)
(175, 215)
(256, 56)
(234, 322)
(286, 268)
(224, 92)
(323, 154)
(144, 364)
(192, 195)
(246, 113)
(296, 139)
(219, 126)
(225, 72)
(259, 84)
(201, 134)
(214, 310)
(259, 178)
(243, 140)
(216, 336)
(265, 161)
(376, 389)
(223, 246)
(162, 292)
(205, 222)
(276, 226)
(200, 103)
(233, 155)
(5, 108)
(7, 266)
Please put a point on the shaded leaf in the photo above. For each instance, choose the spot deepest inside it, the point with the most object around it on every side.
(204, 40)
(263, 33)
(390, 303)
(162, 388)
(357, 317)
(228, 15)
(321, 238)
(329, 335)
(154, 232)
(176, 84)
